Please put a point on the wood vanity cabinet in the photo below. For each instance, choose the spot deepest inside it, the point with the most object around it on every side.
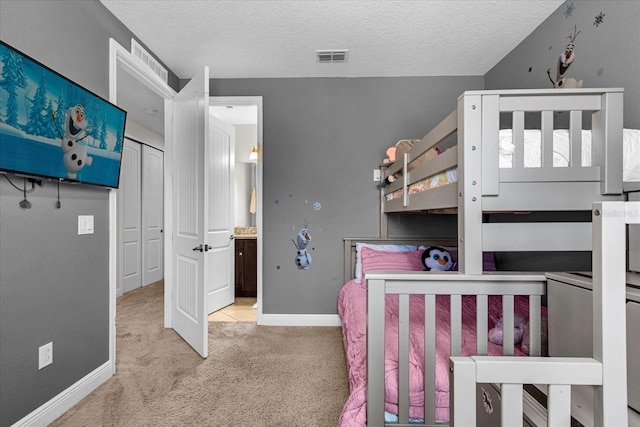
(246, 267)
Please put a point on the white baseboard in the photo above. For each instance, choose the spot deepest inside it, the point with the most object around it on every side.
(300, 320)
(61, 403)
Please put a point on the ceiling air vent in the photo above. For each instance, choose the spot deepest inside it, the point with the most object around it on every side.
(339, 55)
(148, 60)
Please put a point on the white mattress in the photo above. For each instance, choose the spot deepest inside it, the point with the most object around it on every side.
(532, 153)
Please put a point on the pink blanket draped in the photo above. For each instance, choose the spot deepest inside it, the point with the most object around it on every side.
(352, 308)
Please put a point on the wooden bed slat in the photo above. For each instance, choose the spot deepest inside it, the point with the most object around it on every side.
(546, 132)
(551, 102)
(518, 139)
(507, 325)
(443, 197)
(442, 130)
(549, 174)
(575, 138)
(546, 370)
(533, 236)
(559, 407)
(441, 163)
(482, 322)
(429, 359)
(535, 326)
(511, 397)
(534, 196)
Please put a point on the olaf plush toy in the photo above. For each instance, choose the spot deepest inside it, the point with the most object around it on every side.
(436, 258)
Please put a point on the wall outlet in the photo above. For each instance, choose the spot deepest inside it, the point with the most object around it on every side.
(45, 355)
(376, 175)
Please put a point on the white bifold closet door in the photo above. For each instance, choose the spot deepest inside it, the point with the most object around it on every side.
(152, 215)
(140, 212)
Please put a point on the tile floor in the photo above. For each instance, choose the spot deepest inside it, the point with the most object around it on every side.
(240, 311)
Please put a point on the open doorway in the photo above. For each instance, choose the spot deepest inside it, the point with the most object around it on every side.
(132, 85)
(190, 322)
(140, 217)
(245, 115)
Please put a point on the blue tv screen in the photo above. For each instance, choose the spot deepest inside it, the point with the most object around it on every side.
(53, 128)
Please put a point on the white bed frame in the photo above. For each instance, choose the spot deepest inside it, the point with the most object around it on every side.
(483, 187)
(605, 371)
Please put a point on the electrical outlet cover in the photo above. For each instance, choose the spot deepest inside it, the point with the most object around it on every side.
(45, 355)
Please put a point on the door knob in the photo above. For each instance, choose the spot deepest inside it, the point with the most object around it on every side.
(232, 237)
(198, 248)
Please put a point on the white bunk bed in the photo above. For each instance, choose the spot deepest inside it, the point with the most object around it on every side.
(592, 173)
(567, 179)
(606, 370)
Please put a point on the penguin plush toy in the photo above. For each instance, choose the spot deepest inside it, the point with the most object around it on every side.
(436, 258)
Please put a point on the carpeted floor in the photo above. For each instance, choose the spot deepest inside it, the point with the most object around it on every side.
(254, 375)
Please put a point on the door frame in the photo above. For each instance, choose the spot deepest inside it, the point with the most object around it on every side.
(120, 57)
(257, 101)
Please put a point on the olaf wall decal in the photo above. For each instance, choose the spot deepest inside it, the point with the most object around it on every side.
(303, 257)
(564, 62)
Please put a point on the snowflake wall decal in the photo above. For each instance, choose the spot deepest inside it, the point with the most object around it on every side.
(569, 11)
(599, 19)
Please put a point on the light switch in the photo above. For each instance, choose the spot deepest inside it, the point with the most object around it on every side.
(85, 224)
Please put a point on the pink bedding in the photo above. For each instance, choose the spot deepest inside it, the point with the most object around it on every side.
(352, 306)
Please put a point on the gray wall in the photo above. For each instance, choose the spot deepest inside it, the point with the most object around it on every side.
(606, 55)
(322, 140)
(54, 284)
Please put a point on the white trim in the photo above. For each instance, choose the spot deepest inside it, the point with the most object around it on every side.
(301, 320)
(64, 401)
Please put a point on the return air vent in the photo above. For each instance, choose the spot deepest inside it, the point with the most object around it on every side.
(332, 55)
(149, 61)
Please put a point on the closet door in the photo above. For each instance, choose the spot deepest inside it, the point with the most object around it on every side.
(152, 215)
(130, 201)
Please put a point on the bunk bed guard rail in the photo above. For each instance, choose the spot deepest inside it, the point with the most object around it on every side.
(606, 370)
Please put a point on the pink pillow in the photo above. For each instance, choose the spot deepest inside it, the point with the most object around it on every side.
(373, 260)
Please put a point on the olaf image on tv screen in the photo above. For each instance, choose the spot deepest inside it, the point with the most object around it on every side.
(51, 127)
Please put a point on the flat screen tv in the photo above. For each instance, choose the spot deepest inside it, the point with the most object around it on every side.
(53, 128)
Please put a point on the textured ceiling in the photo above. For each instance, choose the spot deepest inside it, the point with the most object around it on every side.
(273, 38)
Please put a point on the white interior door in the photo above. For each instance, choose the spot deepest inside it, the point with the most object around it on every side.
(220, 255)
(190, 202)
(130, 202)
(152, 215)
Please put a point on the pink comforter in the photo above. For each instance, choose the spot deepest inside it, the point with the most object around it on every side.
(352, 308)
